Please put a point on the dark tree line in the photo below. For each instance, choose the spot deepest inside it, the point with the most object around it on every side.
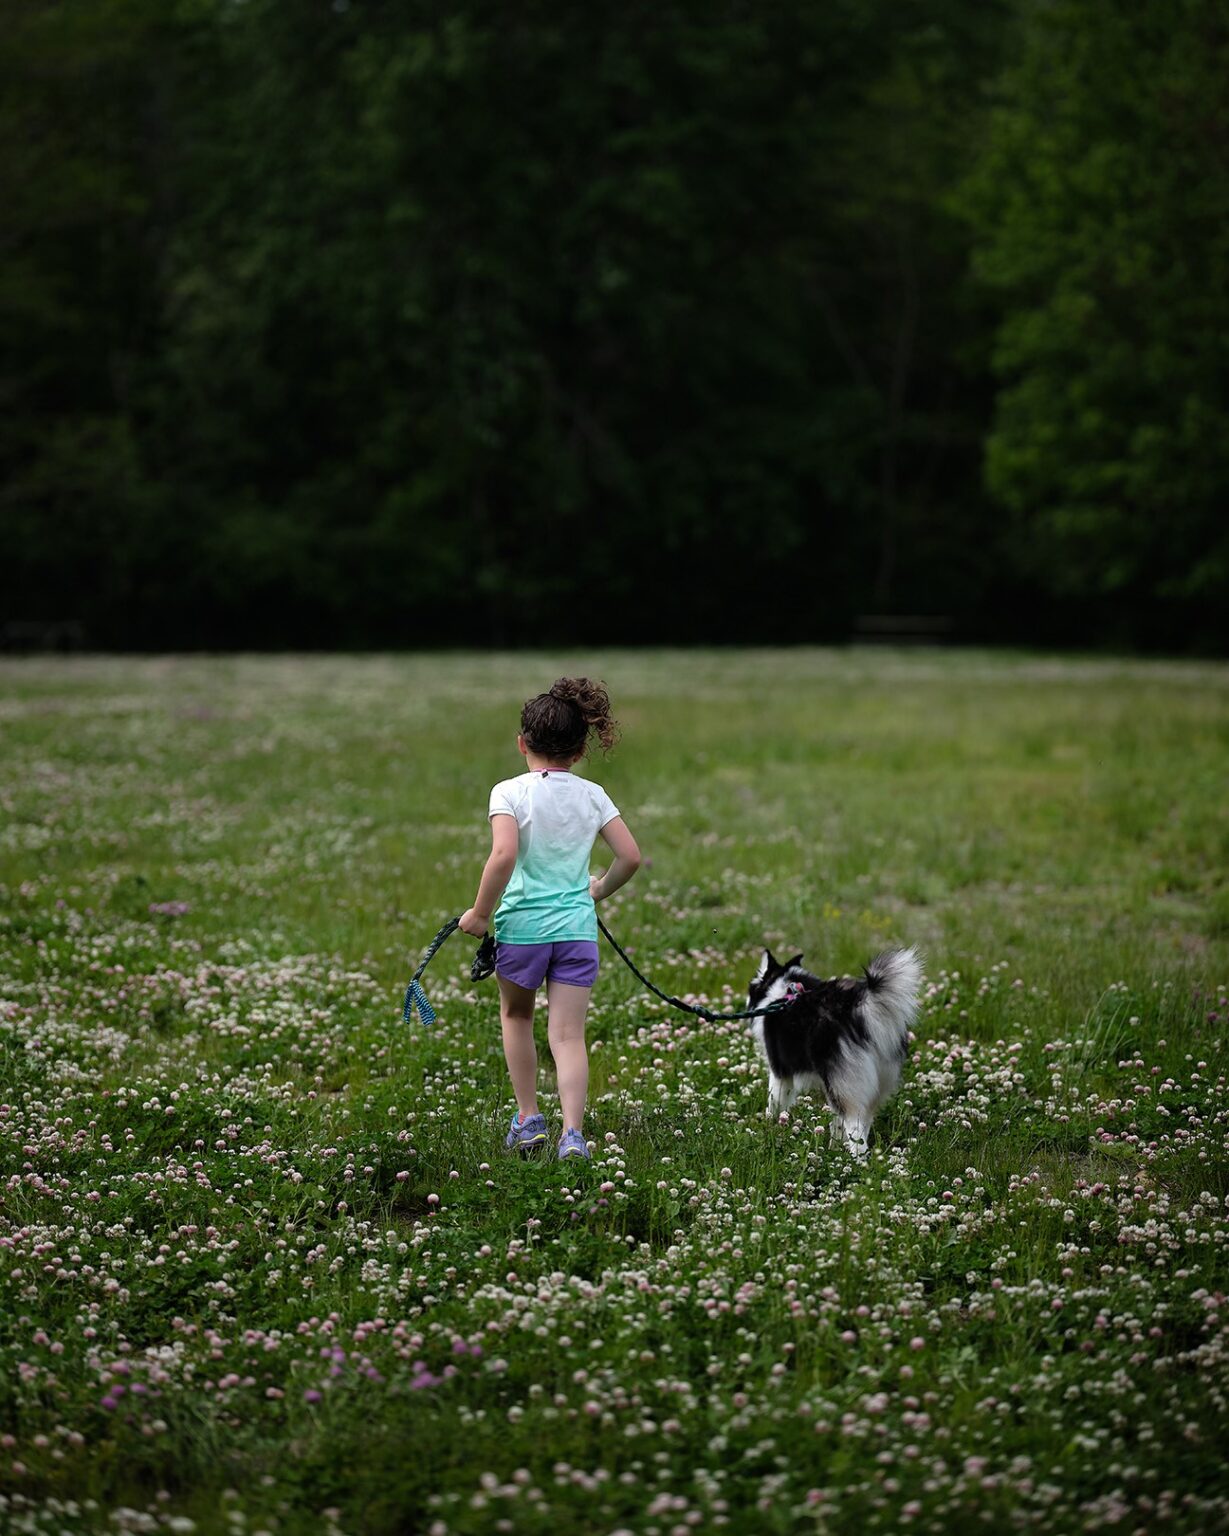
(388, 322)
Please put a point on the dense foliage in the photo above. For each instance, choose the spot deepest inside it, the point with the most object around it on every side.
(355, 322)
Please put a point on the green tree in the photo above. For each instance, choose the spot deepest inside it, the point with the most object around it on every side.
(1101, 205)
(371, 322)
(90, 127)
(479, 312)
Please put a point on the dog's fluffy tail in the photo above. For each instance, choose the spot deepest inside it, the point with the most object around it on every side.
(892, 982)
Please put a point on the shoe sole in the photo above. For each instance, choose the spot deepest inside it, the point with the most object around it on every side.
(529, 1144)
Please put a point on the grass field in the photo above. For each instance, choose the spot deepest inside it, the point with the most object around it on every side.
(264, 1268)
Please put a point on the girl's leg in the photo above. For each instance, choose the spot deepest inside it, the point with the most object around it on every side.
(567, 1007)
(516, 1016)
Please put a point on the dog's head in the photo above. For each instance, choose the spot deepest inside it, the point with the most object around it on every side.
(768, 983)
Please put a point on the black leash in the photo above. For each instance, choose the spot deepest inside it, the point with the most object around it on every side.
(484, 964)
(677, 1002)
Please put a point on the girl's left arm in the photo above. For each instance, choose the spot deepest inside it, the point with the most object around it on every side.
(625, 864)
(495, 875)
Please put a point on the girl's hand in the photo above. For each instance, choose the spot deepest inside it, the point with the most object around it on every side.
(472, 924)
(595, 882)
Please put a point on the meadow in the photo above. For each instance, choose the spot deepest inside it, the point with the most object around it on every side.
(264, 1267)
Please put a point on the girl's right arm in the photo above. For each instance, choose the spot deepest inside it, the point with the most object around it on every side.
(624, 865)
(495, 876)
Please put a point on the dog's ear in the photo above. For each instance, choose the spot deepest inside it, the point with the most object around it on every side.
(797, 960)
(766, 964)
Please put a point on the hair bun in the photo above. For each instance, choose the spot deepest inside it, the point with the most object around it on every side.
(566, 732)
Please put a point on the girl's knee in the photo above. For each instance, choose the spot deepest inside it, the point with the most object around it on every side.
(567, 1032)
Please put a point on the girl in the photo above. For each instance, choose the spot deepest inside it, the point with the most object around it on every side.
(543, 826)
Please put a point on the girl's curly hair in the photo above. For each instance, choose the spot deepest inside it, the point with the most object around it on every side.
(560, 723)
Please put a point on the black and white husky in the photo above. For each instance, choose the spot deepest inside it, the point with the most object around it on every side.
(848, 1037)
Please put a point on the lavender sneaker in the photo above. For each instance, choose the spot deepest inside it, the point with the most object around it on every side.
(572, 1144)
(525, 1134)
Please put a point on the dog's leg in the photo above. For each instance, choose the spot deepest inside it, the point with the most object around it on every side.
(889, 1081)
(853, 1092)
(857, 1137)
(836, 1114)
(774, 1096)
(782, 1095)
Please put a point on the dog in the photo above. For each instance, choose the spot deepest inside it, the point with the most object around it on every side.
(848, 1037)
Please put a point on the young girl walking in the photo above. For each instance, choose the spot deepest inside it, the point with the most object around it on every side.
(544, 824)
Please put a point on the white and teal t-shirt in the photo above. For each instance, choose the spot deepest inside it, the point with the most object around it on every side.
(558, 817)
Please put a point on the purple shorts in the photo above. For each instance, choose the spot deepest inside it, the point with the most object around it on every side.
(573, 962)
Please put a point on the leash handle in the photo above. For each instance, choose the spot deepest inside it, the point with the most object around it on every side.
(484, 961)
(482, 967)
(415, 997)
